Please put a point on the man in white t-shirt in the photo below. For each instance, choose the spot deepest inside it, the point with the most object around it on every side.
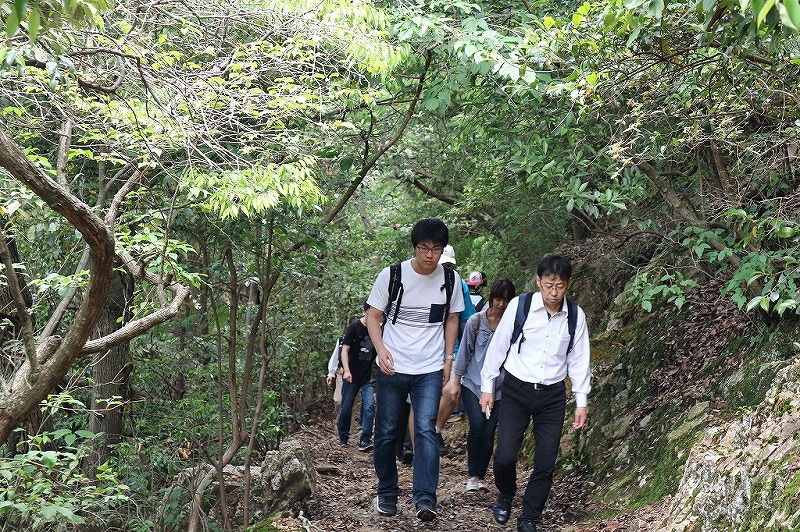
(419, 327)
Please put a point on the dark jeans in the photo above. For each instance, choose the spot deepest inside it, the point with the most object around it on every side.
(480, 438)
(425, 391)
(349, 392)
(547, 408)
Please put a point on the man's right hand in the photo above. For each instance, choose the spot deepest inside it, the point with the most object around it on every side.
(487, 401)
(329, 379)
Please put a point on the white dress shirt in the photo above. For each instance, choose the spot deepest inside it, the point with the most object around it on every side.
(540, 353)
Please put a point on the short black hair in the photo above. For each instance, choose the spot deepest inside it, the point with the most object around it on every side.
(430, 230)
(502, 288)
(555, 265)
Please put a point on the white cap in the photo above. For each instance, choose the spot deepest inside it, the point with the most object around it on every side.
(448, 255)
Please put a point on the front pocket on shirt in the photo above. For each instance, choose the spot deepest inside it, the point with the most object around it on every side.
(436, 314)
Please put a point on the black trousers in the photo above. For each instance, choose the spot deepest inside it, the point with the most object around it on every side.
(546, 408)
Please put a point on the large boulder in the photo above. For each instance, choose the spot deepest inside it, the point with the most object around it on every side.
(288, 477)
(283, 481)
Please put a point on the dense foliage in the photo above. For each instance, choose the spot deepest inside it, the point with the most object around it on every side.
(254, 165)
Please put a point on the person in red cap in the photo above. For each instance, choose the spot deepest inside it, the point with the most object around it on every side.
(475, 281)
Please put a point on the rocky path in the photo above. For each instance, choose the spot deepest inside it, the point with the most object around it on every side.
(347, 489)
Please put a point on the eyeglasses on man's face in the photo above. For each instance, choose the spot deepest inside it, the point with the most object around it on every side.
(425, 250)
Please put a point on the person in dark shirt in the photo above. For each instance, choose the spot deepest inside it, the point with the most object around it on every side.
(358, 358)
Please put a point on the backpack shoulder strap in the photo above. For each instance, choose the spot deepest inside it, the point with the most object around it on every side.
(523, 307)
(395, 290)
(572, 321)
(475, 330)
(449, 286)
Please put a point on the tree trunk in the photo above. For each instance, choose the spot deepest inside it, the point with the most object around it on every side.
(42, 370)
(111, 373)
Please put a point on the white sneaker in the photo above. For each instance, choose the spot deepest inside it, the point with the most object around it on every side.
(482, 486)
(473, 484)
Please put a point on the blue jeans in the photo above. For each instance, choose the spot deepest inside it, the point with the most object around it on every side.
(547, 408)
(480, 438)
(425, 391)
(349, 391)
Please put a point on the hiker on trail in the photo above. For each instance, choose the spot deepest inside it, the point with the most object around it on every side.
(421, 324)
(554, 343)
(335, 372)
(474, 343)
(475, 281)
(450, 411)
(358, 357)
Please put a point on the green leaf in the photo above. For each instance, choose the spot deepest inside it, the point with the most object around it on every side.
(48, 512)
(12, 25)
(786, 20)
(346, 163)
(736, 212)
(787, 231)
(431, 104)
(34, 23)
(647, 305)
(19, 8)
(764, 11)
(793, 9)
(755, 302)
(784, 305)
(656, 8)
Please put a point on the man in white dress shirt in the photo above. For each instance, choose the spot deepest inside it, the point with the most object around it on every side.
(536, 365)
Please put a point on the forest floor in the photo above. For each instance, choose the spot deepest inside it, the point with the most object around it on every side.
(347, 488)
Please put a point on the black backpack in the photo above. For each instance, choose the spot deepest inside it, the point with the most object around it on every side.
(396, 290)
(524, 306)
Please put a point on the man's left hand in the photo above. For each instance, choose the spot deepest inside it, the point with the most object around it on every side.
(581, 417)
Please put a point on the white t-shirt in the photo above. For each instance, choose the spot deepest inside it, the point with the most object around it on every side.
(416, 339)
(476, 298)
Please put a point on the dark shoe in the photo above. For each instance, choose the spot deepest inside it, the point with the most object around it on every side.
(408, 456)
(386, 504)
(501, 510)
(342, 443)
(526, 525)
(442, 445)
(426, 511)
(365, 445)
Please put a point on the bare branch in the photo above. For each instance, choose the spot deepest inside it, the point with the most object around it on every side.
(428, 190)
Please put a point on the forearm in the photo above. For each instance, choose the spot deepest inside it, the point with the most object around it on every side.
(450, 334)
